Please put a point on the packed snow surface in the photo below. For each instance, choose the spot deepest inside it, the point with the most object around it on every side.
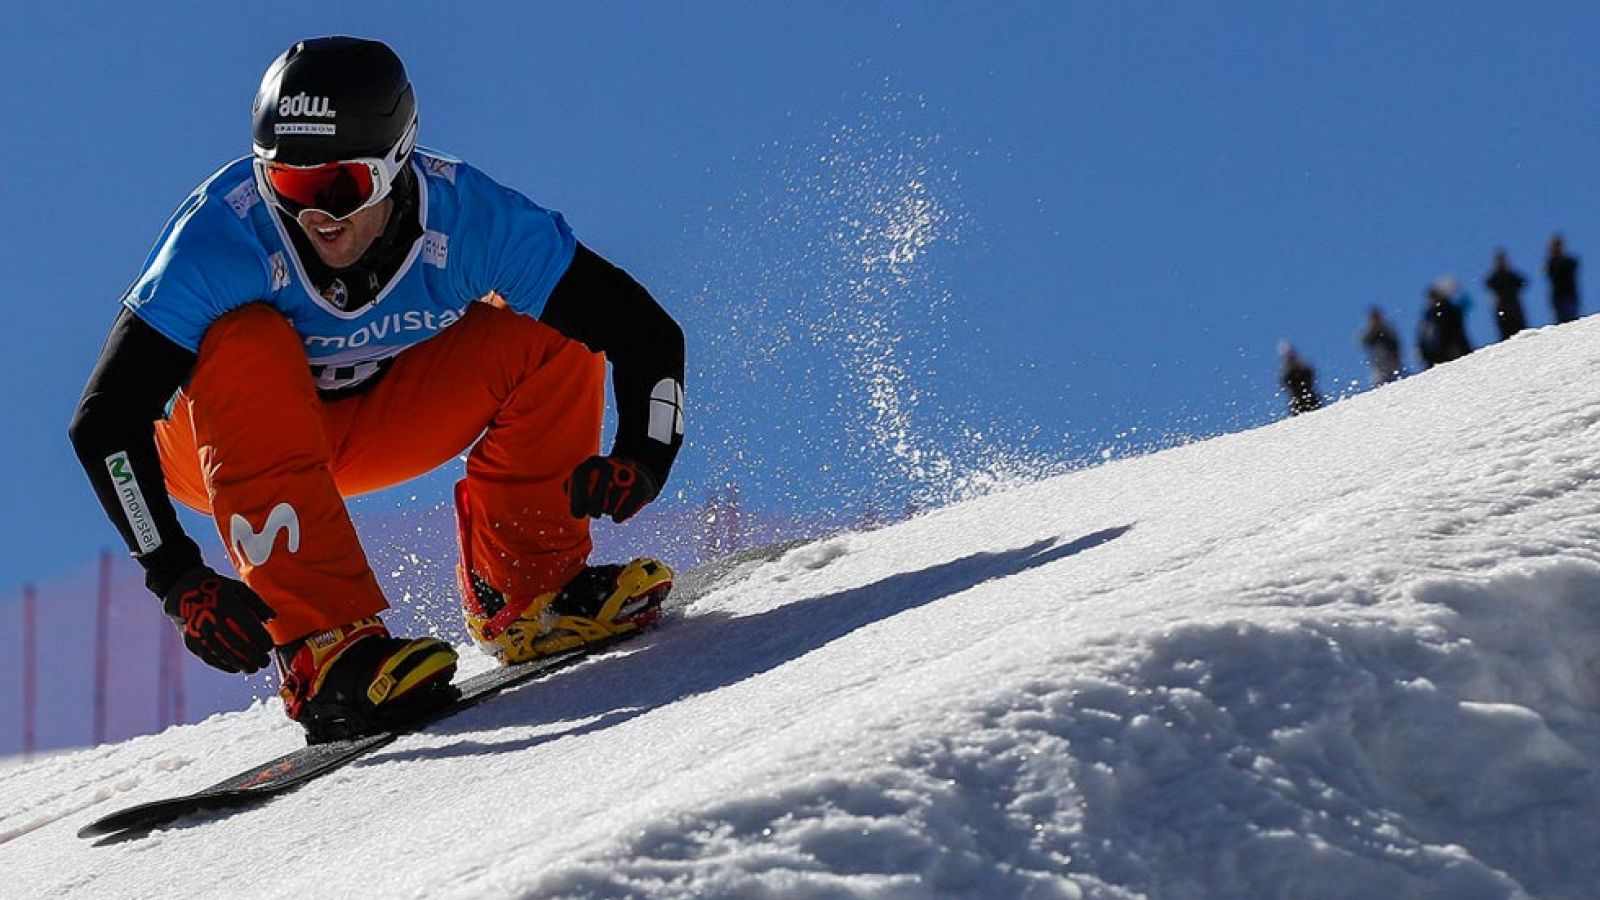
(1352, 654)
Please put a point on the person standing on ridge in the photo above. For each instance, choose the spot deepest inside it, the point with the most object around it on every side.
(1506, 284)
(1562, 270)
(341, 311)
(1383, 348)
(1442, 334)
(1299, 381)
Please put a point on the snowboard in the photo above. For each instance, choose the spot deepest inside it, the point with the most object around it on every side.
(295, 768)
(314, 760)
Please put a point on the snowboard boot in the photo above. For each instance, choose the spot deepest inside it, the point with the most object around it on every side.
(358, 679)
(600, 602)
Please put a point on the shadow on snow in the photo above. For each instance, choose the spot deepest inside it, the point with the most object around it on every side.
(704, 653)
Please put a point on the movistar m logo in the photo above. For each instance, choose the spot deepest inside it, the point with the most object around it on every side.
(256, 547)
(145, 535)
(302, 105)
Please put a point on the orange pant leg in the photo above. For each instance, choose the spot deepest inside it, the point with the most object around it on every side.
(536, 398)
(248, 431)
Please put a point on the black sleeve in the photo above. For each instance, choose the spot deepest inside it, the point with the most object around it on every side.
(113, 432)
(604, 308)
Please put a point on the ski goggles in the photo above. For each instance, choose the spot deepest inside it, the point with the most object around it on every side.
(337, 189)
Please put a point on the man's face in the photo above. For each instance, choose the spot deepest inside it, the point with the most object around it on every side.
(340, 242)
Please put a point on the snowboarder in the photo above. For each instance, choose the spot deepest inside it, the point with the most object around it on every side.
(1299, 381)
(1506, 284)
(1383, 348)
(1562, 270)
(342, 311)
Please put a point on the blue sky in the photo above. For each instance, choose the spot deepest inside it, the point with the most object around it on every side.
(909, 241)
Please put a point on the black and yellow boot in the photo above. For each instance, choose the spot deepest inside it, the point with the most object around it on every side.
(358, 679)
(600, 602)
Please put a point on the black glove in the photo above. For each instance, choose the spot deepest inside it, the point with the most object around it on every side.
(610, 486)
(220, 619)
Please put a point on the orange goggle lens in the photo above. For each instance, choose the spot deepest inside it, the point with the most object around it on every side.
(337, 189)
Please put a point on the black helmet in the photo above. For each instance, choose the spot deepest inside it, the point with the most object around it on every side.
(335, 98)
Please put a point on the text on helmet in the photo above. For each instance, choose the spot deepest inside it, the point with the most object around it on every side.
(302, 105)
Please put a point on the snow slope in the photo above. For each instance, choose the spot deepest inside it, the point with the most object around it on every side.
(1355, 654)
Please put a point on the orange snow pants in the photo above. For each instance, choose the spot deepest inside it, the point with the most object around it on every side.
(250, 442)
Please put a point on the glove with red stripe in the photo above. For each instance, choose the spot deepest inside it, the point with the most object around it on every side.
(610, 486)
(221, 620)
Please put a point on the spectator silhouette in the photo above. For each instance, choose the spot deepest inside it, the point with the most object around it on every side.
(1299, 379)
(1562, 270)
(1506, 284)
(1383, 348)
(1442, 334)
